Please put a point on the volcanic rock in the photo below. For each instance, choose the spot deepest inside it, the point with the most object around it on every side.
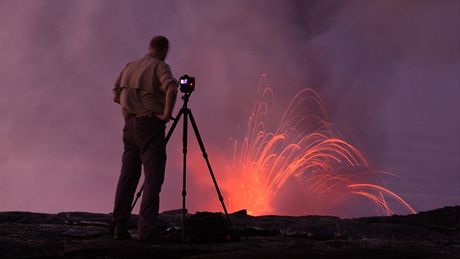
(432, 234)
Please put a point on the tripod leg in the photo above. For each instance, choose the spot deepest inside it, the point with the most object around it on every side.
(171, 130)
(184, 151)
(205, 155)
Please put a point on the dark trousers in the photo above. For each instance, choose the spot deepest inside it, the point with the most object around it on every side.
(144, 145)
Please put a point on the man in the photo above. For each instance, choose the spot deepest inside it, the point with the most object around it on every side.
(146, 91)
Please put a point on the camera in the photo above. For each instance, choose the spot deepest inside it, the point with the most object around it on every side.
(187, 84)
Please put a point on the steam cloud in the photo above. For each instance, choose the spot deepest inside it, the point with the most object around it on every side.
(388, 72)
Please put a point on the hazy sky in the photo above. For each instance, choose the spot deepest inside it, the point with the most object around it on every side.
(388, 72)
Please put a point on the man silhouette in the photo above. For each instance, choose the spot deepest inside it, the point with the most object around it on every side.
(146, 91)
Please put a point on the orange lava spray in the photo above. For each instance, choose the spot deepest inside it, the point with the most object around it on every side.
(306, 152)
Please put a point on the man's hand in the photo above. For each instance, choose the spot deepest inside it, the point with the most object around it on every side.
(163, 117)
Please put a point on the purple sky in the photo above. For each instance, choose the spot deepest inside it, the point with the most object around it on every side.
(388, 72)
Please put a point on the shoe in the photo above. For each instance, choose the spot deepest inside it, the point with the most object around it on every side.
(148, 233)
(120, 231)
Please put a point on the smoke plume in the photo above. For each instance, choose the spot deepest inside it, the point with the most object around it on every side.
(388, 73)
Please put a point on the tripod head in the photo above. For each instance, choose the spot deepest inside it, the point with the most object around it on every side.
(186, 97)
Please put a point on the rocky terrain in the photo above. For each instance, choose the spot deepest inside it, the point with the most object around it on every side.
(432, 234)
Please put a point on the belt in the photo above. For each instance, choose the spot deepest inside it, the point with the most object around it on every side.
(132, 115)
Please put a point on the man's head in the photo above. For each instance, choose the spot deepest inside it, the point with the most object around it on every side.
(159, 46)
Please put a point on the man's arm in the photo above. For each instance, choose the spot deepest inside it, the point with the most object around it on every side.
(169, 86)
(116, 89)
(116, 95)
(171, 94)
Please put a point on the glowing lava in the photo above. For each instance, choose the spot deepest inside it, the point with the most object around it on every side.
(302, 166)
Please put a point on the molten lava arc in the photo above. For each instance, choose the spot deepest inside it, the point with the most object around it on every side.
(303, 165)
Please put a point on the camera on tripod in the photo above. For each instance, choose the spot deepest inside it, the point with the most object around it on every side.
(187, 84)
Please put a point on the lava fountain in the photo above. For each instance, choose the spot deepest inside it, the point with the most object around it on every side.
(302, 165)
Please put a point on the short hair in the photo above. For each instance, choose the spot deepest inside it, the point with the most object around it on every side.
(160, 43)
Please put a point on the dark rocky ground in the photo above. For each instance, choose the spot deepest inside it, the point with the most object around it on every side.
(432, 234)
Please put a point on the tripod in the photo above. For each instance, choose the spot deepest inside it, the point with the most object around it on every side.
(187, 113)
